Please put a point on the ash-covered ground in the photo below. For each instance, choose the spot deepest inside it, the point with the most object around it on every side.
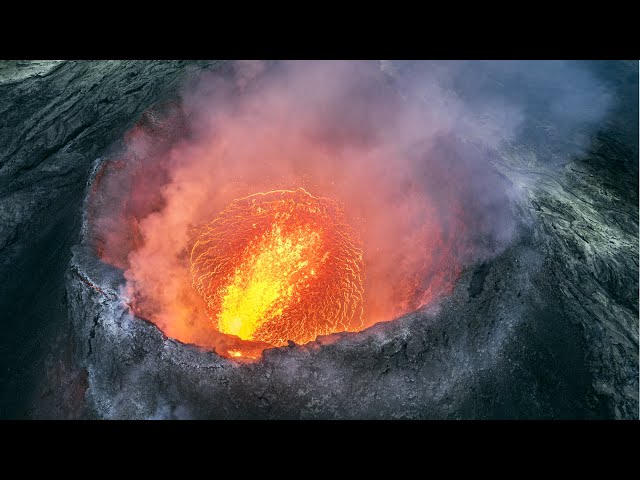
(547, 327)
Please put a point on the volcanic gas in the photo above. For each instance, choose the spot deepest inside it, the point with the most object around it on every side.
(280, 266)
(311, 201)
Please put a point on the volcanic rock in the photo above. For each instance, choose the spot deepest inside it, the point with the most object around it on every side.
(546, 329)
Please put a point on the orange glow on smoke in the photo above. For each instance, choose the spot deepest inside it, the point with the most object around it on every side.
(361, 221)
(279, 266)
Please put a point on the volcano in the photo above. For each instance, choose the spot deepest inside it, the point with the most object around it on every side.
(320, 240)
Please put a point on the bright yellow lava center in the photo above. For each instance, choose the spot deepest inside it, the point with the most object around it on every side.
(279, 266)
(265, 284)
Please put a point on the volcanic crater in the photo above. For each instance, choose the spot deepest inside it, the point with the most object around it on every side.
(274, 240)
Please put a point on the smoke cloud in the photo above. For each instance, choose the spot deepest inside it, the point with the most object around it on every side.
(404, 147)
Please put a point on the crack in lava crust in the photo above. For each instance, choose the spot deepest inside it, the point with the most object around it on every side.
(279, 266)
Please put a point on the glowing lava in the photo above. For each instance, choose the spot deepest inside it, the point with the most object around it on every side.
(279, 266)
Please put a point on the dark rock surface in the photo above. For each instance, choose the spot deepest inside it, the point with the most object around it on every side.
(55, 119)
(486, 357)
(548, 329)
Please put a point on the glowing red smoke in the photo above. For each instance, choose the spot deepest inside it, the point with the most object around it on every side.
(335, 129)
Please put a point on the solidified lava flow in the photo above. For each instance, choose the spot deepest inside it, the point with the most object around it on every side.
(279, 266)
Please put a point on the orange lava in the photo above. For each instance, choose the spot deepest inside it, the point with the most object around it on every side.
(212, 263)
(280, 266)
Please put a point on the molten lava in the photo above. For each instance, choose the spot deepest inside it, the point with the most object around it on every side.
(287, 265)
(279, 266)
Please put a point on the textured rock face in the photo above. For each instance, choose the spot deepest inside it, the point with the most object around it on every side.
(56, 118)
(548, 329)
(452, 361)
(509, 342)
